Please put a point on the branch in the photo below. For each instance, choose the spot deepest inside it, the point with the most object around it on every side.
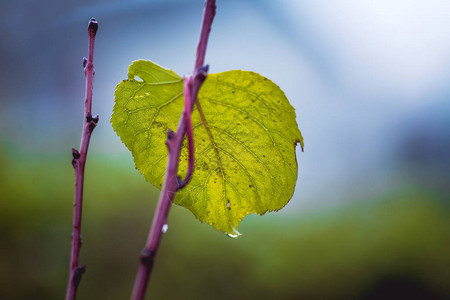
(189, 131)
(79, 162)
(174, 144)
(208, 16)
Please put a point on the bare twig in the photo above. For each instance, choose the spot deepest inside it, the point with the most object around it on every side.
(174, 144)
(79, 162)
(188, 103)
(208, 16)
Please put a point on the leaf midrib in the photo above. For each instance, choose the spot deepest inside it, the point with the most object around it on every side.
(208, 131)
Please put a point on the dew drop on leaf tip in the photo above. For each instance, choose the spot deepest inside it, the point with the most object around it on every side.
(232, 235)
(164, 228)
(235, 233)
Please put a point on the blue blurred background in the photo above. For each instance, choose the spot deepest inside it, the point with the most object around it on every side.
(370, 215)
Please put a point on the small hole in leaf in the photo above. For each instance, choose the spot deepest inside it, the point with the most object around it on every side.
(138, 79)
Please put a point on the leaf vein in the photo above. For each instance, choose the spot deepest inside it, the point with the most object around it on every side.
(249, 151)
(254, 119)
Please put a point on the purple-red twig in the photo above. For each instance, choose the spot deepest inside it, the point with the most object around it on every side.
(79, 162)
(208, 16)
(189, 131)
(172, 182)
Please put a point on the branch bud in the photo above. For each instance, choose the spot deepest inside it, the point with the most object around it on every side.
(93, 26)
(202, 72)
(76, 156)
(75, 153)
(77, 273)
(147, 257)
(170, 134)
(92, 121)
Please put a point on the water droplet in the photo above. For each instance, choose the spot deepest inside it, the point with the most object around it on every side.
(228, 204)
(235, 234)
(164, 228)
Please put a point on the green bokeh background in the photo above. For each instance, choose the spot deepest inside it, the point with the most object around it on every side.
(396, 243)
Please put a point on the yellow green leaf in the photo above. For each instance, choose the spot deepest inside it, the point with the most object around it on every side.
(245, 135)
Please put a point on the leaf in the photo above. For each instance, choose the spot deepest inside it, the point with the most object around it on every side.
(245, 135)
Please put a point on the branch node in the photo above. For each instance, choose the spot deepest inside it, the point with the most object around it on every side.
(92, 121)
(75, 153)
(180, 183)
(170, 134)
(76, 156)
(202, 72)
(196, 82)
(147, 257)
(170, 138)
(85, 61)
(77, 273)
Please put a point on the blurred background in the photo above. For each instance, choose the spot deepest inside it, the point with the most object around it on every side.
(370, 218)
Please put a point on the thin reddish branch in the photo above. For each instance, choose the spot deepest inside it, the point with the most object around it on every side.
(208, 16)
(189, 131)
(174, 144)
(171, 185)
(79, 162)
